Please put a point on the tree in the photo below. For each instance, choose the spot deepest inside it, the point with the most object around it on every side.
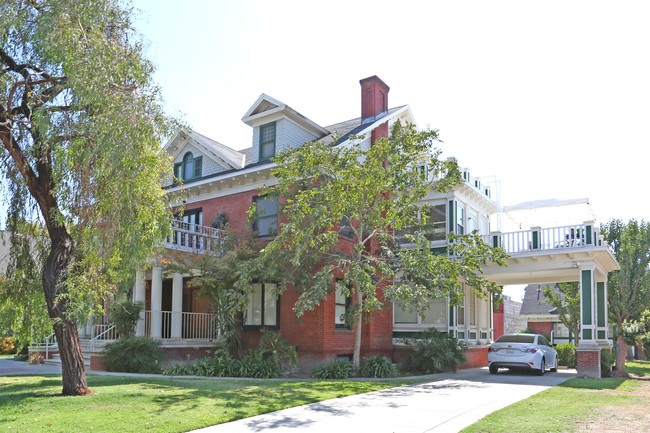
(566, 300)
(343, 210)
(629, 287)
(80, 124)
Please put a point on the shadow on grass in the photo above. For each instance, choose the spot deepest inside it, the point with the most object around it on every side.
(595, 384)
(638, 368)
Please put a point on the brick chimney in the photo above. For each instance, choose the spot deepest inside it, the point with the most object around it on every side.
(374, 97)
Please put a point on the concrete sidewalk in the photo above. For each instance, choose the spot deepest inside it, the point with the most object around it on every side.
(450, 403)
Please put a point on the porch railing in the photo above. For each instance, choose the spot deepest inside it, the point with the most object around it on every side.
(102, 333)
(544, 239)
(193, 326)
(46, 345)
(193, 237)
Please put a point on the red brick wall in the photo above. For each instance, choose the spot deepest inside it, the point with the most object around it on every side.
(588, 363)
(541, 327)
(476, 357)
(235, 205)
(97, 363)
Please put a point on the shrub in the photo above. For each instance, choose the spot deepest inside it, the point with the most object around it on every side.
(337, 369)
(273, 348)
(607, 359)
(434, 352)
(225, 366)
(253, 366)
(567, 354)
(378, 366)
(7, 345)
(125, 316)
(179, 369)
(133, 355)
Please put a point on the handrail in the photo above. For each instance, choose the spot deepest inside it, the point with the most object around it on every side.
(47, 343)
(194, 237)
(93, 340)
(544, 239)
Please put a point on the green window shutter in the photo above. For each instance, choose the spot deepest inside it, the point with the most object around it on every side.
(267, 141)
(177, 170)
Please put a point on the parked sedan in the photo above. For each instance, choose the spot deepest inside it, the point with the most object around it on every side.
(522, 351)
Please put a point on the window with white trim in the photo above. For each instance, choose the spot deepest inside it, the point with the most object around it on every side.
(342, 302)
(436, 314)
(266, 221)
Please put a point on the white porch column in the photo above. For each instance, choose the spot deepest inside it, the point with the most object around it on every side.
(139, 295)
(156, 302)
(177, 305)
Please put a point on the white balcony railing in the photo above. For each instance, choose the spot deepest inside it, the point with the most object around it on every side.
(193, 237)
(193, 326)
(544, 239)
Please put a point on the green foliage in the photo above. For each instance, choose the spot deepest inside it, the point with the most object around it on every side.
(81, 123)
(125, 315)
(434, 352)
(336, 369)
(567, 355)
(321, 186)
(607, 359)
(565, 297)
(133, 355)
(378, 366)
(276, 349)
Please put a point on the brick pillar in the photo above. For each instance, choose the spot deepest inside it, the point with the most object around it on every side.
(588, 362)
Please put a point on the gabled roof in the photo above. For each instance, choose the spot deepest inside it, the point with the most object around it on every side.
(266, 106)
(222, 154)
(535, 302)
(344, 130)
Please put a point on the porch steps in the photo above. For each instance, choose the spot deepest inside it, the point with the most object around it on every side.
(86, 350)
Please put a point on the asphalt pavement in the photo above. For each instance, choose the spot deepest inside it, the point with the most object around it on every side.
(448, 402)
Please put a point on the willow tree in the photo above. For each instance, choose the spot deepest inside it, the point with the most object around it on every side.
(343, 212)
(80, 124)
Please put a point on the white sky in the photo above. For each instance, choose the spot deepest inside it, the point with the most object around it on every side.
(553, 98)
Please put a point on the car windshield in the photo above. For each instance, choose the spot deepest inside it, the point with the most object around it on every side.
(516, 339)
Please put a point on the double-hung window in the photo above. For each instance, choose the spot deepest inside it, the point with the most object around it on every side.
(266, 221)
(436, 314)
(342, 303)
(262, 306)
(267, 141)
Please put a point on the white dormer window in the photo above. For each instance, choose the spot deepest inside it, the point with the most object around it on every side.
(189, 168)
(267, 141)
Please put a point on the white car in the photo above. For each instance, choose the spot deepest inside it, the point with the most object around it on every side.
(522, 351)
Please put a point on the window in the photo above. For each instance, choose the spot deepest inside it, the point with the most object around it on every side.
(436, 314)
(266, 223)
(472, 309)
(262, 306)
(189, 168)
(342, 303)
(344, 228)
(460, 220)
(436, 223)
(267, 141)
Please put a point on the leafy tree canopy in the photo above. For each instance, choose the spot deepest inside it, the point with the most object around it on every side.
(566, 299)
(372, 196)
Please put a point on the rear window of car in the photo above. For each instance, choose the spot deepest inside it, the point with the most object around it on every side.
(516, 339)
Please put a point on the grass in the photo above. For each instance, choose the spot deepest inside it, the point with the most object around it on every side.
(131, 404)
(639, 368)
(564, 407)
(11, 355)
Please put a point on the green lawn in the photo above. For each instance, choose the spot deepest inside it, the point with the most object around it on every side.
(128, 404)
(564, 407)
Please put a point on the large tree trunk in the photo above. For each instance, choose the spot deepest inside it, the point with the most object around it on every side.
(356, 356)
(67, 337)
(621, 351)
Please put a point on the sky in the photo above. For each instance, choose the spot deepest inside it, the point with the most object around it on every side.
(550, 98)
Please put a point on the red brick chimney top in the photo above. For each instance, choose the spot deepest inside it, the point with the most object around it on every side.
(374, 96)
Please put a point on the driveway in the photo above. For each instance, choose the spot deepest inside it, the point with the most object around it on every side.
(450, 403)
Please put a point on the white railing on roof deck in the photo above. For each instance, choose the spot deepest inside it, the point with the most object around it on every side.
(193, 237)
(544, 239)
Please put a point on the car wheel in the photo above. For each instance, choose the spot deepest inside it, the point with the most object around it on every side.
(557, 361)
(542, 368)
(494, 370)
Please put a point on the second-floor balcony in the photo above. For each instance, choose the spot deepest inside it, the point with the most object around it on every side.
(545, 239)
(194, 238)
